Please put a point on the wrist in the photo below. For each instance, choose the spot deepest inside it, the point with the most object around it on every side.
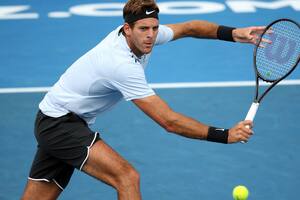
(225, 33)
(219, 135)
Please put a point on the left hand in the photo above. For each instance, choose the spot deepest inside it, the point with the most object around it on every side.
(248, 35)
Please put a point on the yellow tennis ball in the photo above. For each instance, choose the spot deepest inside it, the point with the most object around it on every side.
(240, 192)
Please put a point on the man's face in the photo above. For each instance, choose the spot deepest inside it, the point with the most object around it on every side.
(142, 35)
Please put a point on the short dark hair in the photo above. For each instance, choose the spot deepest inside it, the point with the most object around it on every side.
(138, 7)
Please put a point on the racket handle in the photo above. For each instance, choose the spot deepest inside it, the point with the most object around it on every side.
(252, 111)
(251, 114)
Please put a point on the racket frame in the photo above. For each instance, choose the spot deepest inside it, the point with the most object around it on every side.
(254, 107)
(258, 75)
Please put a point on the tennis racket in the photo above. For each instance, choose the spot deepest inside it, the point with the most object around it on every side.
(275, 57)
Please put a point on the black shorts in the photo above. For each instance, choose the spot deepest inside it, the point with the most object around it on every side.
(63, 144)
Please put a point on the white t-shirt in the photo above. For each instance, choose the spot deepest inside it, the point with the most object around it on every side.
(100, 78)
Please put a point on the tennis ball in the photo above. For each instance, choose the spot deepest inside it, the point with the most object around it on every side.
(240, 192)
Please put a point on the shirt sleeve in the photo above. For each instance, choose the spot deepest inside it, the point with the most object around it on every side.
(130, 80)
(165, 34)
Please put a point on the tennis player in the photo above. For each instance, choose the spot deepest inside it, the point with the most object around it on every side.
(111, 71)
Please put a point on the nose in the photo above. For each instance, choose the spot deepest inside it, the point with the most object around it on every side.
(150, 33)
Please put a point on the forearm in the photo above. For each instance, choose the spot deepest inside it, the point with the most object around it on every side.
(186, 126)
(205, 29)
(171, 121)
(177, 123)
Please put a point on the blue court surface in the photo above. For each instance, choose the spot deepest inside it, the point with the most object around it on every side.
(40, 39)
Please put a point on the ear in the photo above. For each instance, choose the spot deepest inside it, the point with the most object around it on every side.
(127, 29)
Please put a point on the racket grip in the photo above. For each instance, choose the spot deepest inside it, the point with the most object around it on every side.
(251, 114)
(252, 111)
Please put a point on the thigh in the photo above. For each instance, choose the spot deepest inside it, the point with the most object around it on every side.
(105, 164)
(46, 168)
(66, 138)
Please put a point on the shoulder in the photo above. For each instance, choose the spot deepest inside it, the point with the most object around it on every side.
(165, 34)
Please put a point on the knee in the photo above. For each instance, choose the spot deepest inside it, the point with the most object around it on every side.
(134, 175)
(129, 177)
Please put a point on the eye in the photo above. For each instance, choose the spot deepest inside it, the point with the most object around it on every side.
(155, 28)
(143, 28)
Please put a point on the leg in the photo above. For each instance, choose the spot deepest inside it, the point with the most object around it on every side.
(41, 190)
(47, 178)
(108, 166)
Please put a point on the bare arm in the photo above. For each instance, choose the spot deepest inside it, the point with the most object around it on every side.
(195, 28)
(174, 122)
(185, 126)
(205, 29)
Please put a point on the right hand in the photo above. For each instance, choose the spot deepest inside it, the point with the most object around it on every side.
(240, 132)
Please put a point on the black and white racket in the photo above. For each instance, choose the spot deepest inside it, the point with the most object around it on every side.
(275, 57)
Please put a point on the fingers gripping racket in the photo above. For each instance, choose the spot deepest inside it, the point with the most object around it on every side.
(275, 57)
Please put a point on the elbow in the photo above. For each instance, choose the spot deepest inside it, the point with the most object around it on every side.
(189, 28)
(170, 126)
(169, 129)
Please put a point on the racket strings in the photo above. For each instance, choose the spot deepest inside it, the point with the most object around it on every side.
(278, 58)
